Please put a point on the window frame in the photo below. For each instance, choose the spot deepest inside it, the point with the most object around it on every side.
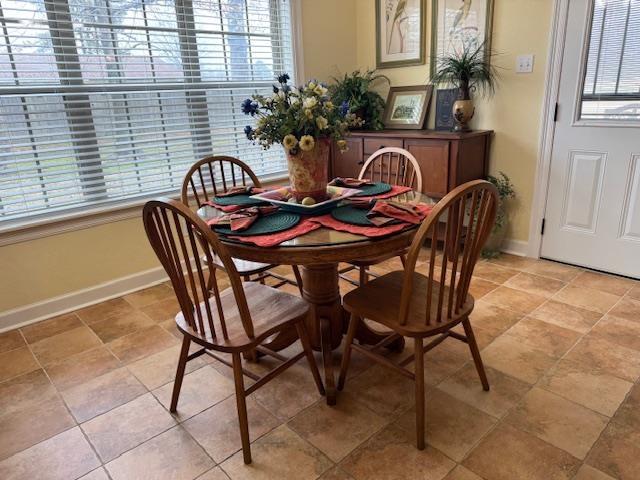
(80, 216)
(578, 120)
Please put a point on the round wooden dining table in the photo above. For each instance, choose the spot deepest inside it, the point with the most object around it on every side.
(318, 254)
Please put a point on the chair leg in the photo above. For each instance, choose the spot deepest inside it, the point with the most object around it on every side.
(242, 407)
(475, 353)
(364, 275)
(420, 401)
(346, 354)
(296, 272)
(182, 363)
(246, 278)
(301, 328)
(403, 259)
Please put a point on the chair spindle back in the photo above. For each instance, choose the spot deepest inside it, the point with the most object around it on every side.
(213, 175)
(180, 239)
(394, 166)
(463, 218)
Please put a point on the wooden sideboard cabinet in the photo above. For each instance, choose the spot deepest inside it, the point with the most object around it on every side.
(447, 159)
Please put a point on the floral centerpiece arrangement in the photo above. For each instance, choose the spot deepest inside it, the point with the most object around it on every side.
(304, 121)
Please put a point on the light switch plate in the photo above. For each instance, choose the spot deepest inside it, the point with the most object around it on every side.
(524, 63)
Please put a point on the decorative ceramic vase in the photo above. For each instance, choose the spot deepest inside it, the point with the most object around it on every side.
(493, 246)
(463, 111)
(309, 171)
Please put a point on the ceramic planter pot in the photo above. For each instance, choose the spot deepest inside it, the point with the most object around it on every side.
(463, 111)
(309, 171)
(493, 245)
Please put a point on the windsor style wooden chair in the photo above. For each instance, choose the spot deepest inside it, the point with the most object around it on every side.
(236, 321)
(394, 166)
(421, 306)
(217, 174)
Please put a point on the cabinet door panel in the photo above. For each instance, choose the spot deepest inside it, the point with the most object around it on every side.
(433, 158)
(348, 163)
(372, 145)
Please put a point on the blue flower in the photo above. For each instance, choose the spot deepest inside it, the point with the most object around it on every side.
(283, 78)
(249, 107)
(248, 131)
(344, 108)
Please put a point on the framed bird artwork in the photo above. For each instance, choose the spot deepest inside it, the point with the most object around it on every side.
(400, 33)
(456, 24)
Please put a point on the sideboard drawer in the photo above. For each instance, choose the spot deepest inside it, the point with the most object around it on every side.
(372, 145)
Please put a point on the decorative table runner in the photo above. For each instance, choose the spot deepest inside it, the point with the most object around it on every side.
(273, 239)
(310, 223)
(329, 222)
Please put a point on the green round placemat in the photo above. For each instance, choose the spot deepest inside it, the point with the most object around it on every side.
(241, 199)
(352, 215)
(375, 189)
(275, 222)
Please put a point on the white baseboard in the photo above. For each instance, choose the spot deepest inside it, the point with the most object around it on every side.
(516, 247)
(69, 302)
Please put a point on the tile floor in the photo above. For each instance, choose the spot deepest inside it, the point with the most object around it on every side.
(85, 395)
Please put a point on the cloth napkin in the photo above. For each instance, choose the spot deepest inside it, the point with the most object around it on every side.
(242, 219)
(240, 190)
(350, 182)
(385, 212)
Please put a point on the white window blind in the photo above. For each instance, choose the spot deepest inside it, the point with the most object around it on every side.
(107, 100)
(612, 75)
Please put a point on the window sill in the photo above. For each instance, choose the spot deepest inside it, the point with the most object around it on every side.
(47, 226)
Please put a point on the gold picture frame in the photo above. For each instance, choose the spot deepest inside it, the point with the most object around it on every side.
(455, 25)
(400, 34)
(407, 107)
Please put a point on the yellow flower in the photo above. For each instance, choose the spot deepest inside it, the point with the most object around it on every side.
(308, 113)
(320, 90)
(322, 123)
(289, 141)
(307, 143)
(329, 105)
(342, 145)
(309, 103)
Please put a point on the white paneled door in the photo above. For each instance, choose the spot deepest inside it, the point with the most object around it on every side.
(592, 215)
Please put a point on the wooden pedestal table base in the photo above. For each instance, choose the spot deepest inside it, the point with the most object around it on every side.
(329, 320)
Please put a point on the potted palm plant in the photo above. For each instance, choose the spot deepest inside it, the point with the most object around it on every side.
(354, 90)
(470, 71)
(493, 245)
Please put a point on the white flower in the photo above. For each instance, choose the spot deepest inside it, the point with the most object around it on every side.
(289, 141)
(322, 123)
(307, 143)
(309, 103)
(311, 85)
(308, 114)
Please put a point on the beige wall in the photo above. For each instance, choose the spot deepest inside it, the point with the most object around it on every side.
(338, 36)
(519, 26)
(40, 269)
(329, 37)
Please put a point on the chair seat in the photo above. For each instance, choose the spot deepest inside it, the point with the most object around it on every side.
(379, 300)
(244, 267)
(270, 309)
